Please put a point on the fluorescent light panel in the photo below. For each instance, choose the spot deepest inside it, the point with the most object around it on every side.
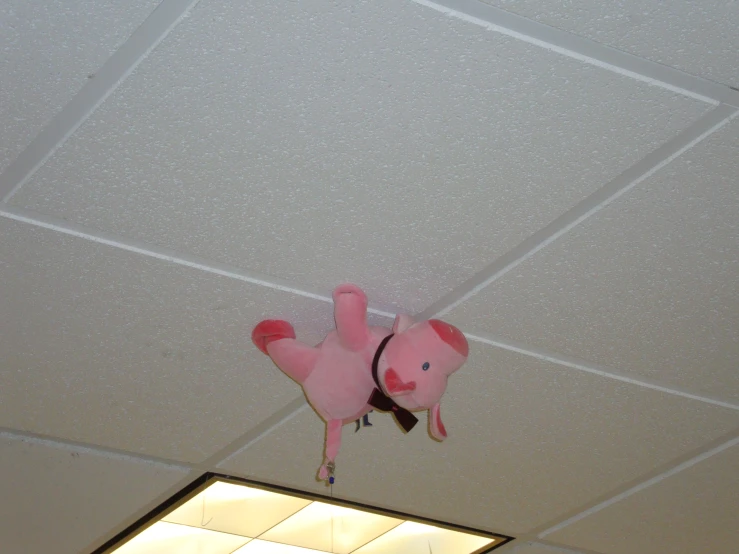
(231, 517)
(170, 537)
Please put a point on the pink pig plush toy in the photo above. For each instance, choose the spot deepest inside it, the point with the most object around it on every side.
(358, 368)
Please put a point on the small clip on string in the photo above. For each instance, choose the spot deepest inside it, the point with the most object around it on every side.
(331, 466)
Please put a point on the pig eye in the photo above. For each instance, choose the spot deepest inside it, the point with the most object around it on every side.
(425, 366)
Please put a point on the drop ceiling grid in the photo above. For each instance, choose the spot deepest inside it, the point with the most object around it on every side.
(708, 453)
(48, 51)
(152, 199)
(630, 178)
(47, 222)
(384, 313)
(584, 49)
(714, 120)
(207, 266)
(676, 231)
(170, 12)
(213, 465)
(551, 533)
(160, 23)
(586, 408)
(530, 545)
(51, 492)
(697, 36)
(195, 471)
(527, 546)
(111, 331)
(179, 258)
(597, 369)
(166, 15)
(164, 32)
(693, 511)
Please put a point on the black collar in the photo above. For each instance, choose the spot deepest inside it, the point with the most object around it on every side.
(376, 359)
(380, 401)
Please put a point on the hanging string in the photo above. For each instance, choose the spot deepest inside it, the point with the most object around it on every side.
(331, 492)
(203, 523)
(331, 469)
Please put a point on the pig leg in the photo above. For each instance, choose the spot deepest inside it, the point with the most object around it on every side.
(294, 358)
(333, 443)
(277, 339)
(350, 313)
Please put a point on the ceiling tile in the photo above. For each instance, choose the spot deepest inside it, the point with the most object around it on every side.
(377, 142)
(104, 346)
(62, 499)
(696, 36)
(535, 548)
(647, 285)
(528, 442)
(47, 51)
(692, 511)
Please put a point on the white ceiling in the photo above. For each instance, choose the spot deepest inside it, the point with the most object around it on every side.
(562, 187)
(47, 51)
(51, 493)
(696, 36)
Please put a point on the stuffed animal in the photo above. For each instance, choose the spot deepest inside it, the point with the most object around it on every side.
(358, 368)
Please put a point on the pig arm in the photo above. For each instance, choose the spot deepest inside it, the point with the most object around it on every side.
(333, 443)
(350, 313)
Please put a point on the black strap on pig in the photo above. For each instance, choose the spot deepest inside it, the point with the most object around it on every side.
(380, 401)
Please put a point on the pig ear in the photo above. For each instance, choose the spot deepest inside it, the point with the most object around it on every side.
(402, 322)
(437, 426)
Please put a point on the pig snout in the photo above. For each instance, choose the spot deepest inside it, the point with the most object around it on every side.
(395, 385)
(451, 336)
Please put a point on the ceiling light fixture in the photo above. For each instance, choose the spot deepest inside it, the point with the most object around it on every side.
(218, 514)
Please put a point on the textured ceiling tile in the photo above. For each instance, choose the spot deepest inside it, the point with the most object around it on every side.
(535, 548)
(378, 142)
(647, 285)
(695, 510)
(104, 346)
(47, 50)
(61, 499)
(697, 36)
(528, 441)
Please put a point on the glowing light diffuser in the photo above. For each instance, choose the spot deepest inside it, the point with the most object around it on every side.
(221, 515)
(329, 528)
(237, 509)
(170, 537)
